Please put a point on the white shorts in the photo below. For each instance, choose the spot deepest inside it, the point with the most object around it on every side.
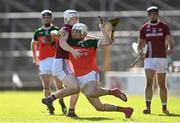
(160, 65)
(45, 66)
(91, 76)
(61, 68)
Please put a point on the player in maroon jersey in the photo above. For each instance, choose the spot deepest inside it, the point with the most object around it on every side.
(67, 26)
(61, 64)
(156, 34)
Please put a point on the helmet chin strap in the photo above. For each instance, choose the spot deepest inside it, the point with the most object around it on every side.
(84, 36)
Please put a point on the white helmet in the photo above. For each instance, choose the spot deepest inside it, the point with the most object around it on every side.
(68, 14)
(80, 26)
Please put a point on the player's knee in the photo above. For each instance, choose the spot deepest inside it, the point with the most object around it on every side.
(149, 83)
(46, 86)
(162, 86)
(75, 87)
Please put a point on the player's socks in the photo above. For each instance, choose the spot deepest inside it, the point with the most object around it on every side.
(147, 110)
(164, 106)
(148, 104)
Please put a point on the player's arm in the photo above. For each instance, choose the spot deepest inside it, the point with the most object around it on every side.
(65, 46)
(34, 50)
(169, 44)
(106, 40)
(141, 40)
(141, 44)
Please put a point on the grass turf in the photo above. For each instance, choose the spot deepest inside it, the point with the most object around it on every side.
(26, 107)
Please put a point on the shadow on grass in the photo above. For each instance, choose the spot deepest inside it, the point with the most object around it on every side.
(93, 118)
(56, 115)
(84, 118)
(170, 115)
(167, 115)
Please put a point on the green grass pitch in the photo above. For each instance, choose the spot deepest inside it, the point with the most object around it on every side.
(26, 107)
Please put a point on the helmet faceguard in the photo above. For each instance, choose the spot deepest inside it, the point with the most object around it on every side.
(80, 26)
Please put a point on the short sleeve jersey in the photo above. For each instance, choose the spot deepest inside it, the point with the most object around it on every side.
(155, 38)
(46, 44)
(87, 62)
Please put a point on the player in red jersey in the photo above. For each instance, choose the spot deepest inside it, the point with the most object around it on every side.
(86, 69)
(156, 35)
(61, 68)
(43, 42)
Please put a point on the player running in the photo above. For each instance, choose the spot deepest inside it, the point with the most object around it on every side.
(87, 71)
(43, 42)
(61, 64)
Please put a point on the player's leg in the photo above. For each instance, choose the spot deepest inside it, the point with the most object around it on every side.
(46, 88)
(71, 87)
(148, 90)
(45, 75)
(161, 77)
(99, 106)
(94, 90)
(163, 91)
(155, 84)
(150, 68)
(90, 81)
(73, 101)
(59, 86)
(62, 71)
(45, 79)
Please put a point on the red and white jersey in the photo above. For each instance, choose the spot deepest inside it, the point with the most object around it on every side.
(86, 63)
(155, 38)
(60, 53)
